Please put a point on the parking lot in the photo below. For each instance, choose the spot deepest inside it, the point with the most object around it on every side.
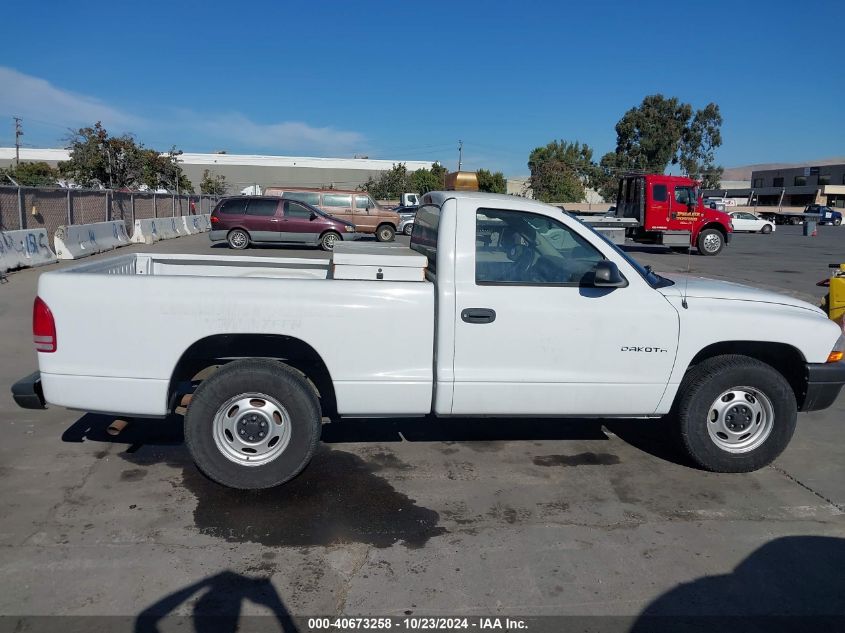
(425, 517)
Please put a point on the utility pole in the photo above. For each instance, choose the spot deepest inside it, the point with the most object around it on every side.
(18, 134)
(460, 154)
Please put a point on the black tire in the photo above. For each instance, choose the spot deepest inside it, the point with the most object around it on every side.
(710, 242)
(385, 233)
(409, 228)
(261, 376)
(794, 221)
(767, 228)
(328, 240)
(837, 222)
(238, 239)
(701, 388)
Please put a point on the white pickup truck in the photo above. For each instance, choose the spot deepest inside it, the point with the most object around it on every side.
(515, 309)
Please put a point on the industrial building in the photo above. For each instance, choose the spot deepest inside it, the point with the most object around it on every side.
(245, 170)
(790, 187)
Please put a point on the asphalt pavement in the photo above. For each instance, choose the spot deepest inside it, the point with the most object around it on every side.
(421, 517)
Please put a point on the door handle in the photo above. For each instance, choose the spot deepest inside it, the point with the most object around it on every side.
(478, 315)
(274, 219)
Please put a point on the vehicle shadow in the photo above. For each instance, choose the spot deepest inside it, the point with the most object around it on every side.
(649, 436)
(218, 608)
(794, 583)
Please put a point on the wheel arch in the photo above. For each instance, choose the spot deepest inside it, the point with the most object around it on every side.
(784, 358)
(220, 349)
(714, 225)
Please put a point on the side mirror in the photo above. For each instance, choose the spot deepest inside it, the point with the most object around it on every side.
(607, 275)
(313, 216)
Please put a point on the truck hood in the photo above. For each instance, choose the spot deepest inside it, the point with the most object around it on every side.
(704, 288)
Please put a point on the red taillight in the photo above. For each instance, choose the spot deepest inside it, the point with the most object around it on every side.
(214, 219)
(43, 327)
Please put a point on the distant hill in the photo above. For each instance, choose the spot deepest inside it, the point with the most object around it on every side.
(744, 172)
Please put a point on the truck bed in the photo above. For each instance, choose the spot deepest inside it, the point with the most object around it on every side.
(123, 323)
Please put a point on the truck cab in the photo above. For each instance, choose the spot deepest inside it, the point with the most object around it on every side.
(669, 211)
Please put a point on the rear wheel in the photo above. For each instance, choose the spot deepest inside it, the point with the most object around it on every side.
(710, 242)
(238, 239)
(767, 228)
(385, 233)
(734, 414)
(253, 424)
(328, 240)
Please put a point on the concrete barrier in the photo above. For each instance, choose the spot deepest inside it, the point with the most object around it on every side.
(23, 249)
(81, 240)
(155, 229)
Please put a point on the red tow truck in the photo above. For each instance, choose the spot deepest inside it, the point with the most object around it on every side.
(667, 210)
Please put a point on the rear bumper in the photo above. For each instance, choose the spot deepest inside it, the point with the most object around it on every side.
(27, 392)
(824, 381)
(217, 236)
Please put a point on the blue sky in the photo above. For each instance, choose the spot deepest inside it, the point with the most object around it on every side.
(402, 80)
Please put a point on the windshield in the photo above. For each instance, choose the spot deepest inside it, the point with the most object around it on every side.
(652, 278)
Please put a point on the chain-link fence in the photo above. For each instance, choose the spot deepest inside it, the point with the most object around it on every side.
(48, 208)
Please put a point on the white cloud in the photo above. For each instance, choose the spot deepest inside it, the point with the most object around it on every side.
(289, 136)
(39, 100)
(28, 96)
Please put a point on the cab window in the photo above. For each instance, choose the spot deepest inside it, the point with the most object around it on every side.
(684, 195)
(262, 207)
(337, 200)
(295, 210)
(659, 193)
(364, 202)
(233, 206)
(311, 197)
(515, 247)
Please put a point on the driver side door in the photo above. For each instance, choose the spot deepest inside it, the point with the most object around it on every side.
(534, 336)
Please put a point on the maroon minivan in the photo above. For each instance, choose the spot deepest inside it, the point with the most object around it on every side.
(246, 220)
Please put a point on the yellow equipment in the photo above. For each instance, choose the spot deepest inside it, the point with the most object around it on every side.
(462, 181)
(834, 301)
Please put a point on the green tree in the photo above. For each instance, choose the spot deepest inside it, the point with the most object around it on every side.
(98, 159)
(425, 180)
(650, 134)
(38, 174)
(606, 181)
(389, 184)
(698, 146)
(491, 182)
(214, 184)
(662, 131)
(561, 170)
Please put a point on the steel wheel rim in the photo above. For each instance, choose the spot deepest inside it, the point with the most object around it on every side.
(329, 240)
(740, 419)
(238, 426)
(385, 235)
(712, 242)
(238, 239)
(409, 229)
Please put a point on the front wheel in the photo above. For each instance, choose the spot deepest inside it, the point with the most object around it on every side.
(238, 239)
(385, 233)
(767, 228)
(328, 240)
(837, 222)
(253, 424)
(710, 242)
(735, 414)
(409, 228)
